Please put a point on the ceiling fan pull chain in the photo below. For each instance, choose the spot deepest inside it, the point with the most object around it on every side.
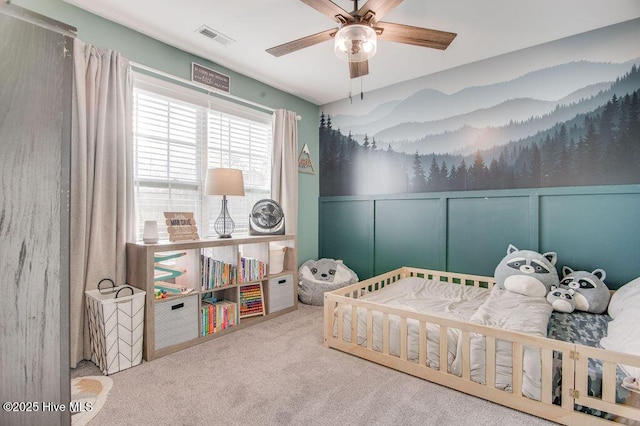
(361, 91)
(350, 90)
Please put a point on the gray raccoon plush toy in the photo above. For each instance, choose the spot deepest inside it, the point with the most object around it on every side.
(527, 272)
(562, 299)
(591, 293)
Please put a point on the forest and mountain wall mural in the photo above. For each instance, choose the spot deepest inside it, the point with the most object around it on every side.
(566, 113)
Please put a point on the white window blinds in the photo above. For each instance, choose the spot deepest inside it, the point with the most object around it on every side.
(178, 134)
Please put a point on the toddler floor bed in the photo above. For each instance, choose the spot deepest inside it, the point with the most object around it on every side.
(409, 319)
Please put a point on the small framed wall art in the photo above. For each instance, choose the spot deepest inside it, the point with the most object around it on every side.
(305, 165)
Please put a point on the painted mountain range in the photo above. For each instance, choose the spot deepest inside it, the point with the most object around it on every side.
(431, 121)
(567, 125)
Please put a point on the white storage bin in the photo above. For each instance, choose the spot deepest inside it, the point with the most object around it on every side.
(280, 291)
(176, 321)
(116, 324)
(276, 258)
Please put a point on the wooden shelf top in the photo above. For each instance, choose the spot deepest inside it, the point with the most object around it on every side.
(213, 242)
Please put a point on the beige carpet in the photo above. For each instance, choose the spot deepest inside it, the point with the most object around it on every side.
(278, 373)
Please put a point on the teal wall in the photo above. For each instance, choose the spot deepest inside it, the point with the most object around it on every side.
(155, 54)
(468, 232)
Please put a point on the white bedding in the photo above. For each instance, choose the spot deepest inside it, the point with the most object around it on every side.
(509, 311)
(417, 295)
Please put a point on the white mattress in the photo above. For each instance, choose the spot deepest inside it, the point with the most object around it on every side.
(509, 311)
(417, 295)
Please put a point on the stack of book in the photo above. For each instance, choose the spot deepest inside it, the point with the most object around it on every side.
(217, 315)
(250, 269)
(251, 300)
(216, 273)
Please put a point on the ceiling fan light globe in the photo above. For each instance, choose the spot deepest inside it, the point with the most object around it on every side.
(342, 46)
(355, 42)
(367, 47)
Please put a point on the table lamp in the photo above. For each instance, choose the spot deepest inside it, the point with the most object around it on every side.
(221, 181)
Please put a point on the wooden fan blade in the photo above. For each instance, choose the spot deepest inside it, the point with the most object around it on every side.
(378, 7)
(301, 43)
(415, 35)
(358, 69)
(330, 9)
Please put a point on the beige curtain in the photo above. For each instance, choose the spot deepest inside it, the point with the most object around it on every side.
(101, 180)
(284, 166)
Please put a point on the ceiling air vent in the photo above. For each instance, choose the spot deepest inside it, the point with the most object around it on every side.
(215, 35)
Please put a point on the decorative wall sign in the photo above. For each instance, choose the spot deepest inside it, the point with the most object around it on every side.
(305, 165)
(181, 226)
(209, 77)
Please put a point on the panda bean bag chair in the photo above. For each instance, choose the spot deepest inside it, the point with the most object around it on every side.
(317, 276)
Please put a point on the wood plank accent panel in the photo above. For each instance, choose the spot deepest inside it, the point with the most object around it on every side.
(35, 117)
(349, 235)
(588, 227)
(594, 231)
(407, 238)
(480, 229)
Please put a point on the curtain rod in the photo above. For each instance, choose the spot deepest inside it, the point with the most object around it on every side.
(190, 83)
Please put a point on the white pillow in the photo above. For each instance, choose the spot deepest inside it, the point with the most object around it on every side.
(623, 335)
(627, 295)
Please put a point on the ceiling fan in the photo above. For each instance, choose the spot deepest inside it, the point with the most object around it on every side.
(356, 39)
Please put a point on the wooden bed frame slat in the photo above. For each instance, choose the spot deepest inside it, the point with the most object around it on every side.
(422, 343)
(466, 355)
(608, 385)
(516, 370)
(490, 365)
(385, 333)
(568, 377)
(574, 357)
(547, 375)
(369, 328)
(354, 325)
(403, 338)
(444, 350)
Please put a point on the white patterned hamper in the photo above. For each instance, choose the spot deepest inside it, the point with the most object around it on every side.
(116, 324)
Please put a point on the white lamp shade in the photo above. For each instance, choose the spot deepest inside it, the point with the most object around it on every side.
(355, 42)
(222, 181)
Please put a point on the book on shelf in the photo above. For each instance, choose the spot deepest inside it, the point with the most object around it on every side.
(250, 269)
(216, 273)
(218, 315)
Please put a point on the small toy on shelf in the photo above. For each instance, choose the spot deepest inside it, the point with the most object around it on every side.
(160, 294)
(163, 271)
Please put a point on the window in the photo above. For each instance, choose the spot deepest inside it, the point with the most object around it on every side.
(178, 134)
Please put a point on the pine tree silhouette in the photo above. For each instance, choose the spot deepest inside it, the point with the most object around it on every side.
(419, 182)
